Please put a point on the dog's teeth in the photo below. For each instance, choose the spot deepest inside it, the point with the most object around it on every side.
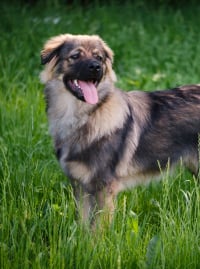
(76, 82)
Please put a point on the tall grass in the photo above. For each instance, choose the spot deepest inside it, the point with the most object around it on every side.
(156, 226)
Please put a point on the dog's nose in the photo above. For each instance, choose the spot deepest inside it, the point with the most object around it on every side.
(94, 67)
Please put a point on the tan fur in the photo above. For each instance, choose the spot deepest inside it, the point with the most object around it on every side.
(82, 174)
(107, 118)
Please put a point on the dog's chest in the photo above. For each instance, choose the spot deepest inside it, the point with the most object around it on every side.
(64, 122)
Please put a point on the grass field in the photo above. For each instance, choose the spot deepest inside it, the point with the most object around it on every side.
(157, 226)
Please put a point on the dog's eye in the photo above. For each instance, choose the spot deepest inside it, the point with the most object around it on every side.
(75, 56)
(99, 57)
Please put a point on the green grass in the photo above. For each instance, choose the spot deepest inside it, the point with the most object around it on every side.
(157, 226)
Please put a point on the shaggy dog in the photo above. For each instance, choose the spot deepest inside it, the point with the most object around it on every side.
(105, 139)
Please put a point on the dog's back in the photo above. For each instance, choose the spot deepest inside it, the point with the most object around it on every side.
(171, 132)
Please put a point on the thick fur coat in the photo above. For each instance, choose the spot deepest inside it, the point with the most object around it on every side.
(105, 139)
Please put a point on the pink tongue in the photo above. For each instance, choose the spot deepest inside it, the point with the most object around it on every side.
(89, 91)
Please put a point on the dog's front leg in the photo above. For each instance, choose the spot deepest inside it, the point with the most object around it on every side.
(105, 204)
(85, 203)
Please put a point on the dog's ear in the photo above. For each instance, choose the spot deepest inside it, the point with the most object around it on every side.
(109, 61)
(48, 54)
(108, 52)
(52, 48)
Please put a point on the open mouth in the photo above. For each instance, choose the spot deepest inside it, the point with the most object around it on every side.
(84, 90)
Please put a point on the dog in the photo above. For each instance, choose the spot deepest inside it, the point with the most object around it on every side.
(106, 139)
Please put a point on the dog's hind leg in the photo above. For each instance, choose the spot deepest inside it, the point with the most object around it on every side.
(192, 163)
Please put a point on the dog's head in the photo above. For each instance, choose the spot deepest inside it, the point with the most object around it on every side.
(83, 62)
